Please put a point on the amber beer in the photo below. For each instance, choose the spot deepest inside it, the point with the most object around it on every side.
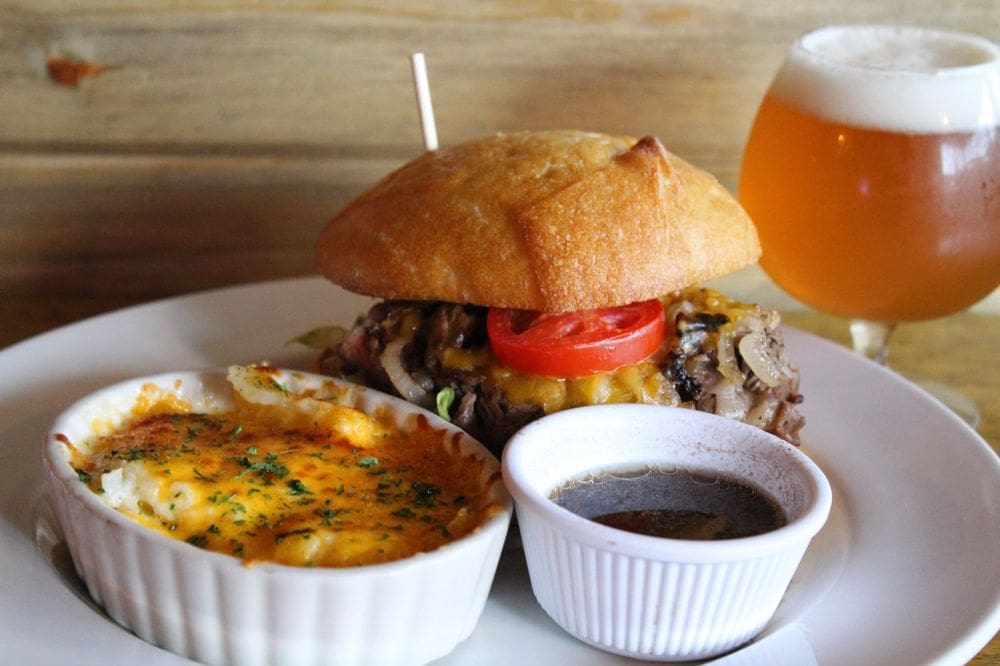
(873, 172)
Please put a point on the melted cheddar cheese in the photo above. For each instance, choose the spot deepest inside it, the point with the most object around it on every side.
(326, 486)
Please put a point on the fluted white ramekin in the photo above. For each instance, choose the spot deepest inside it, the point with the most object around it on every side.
(649, 597)
(212, 608)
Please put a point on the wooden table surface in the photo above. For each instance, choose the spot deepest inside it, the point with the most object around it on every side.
(151, 147)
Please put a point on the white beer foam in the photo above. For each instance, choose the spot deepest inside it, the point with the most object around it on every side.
(912, 80)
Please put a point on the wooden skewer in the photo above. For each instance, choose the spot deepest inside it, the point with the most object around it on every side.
(424, 101)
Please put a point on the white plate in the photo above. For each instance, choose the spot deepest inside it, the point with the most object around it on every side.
(905, 572)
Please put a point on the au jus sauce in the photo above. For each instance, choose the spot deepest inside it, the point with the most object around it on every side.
(677, 504)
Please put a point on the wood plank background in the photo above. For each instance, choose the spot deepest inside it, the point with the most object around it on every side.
(221, 135)
(216, 137)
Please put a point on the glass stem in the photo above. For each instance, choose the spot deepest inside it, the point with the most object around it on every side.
(871, 338)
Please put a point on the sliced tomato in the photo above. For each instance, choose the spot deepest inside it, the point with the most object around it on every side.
(575, 344)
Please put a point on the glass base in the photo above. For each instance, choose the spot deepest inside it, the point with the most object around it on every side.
(955, 400)
(871, 339)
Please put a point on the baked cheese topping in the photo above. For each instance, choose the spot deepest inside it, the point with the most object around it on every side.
(292, 479)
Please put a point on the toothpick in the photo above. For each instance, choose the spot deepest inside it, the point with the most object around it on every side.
(424, 101)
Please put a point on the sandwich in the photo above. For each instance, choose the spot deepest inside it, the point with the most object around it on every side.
(524, 273)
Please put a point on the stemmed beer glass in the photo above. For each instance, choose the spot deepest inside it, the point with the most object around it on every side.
(872, 173)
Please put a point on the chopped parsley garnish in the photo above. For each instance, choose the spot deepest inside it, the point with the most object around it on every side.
(281, 536)
(198, 474)
(199, 540)
(426, 493)
(369, 461)
(218, 498)
(265, 469)
(327, 515)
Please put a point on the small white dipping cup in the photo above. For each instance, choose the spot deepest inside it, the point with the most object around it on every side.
(649, 597)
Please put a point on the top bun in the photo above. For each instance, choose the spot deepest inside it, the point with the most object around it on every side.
(551, 221)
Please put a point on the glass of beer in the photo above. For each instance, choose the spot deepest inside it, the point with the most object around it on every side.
(872, 173)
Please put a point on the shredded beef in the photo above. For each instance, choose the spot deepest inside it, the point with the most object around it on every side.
(690, 362)
(452, 325)
(464, 416)
(497, 418)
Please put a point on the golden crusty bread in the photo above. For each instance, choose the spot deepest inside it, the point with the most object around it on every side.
(554, 221)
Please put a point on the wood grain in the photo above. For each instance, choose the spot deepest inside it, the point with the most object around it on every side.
(139, 226)
(267, 76)
(185, 144)
(214, 139)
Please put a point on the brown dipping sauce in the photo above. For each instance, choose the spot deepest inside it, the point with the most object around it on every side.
(676, 504)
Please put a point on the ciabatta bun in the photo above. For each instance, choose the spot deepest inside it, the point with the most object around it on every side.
(552, 221)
